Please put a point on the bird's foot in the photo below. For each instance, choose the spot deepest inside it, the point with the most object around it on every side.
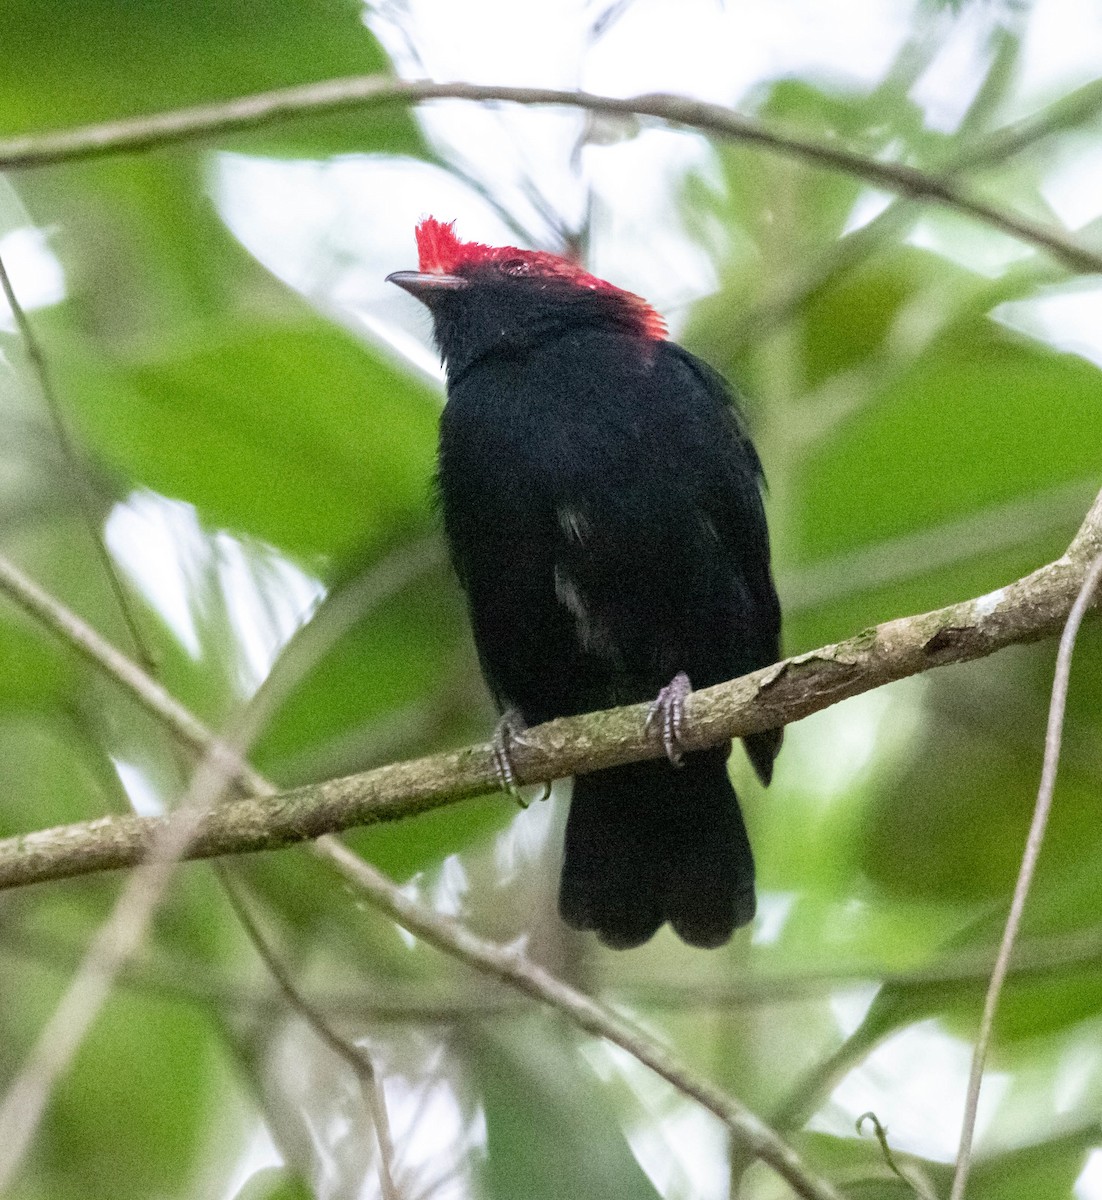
(666, 714)
(509, 732)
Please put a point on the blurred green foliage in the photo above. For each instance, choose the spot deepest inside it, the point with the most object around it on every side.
(919, 451)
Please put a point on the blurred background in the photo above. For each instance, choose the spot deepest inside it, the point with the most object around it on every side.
(253, 416)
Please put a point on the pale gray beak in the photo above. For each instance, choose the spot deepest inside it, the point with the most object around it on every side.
(425, 284)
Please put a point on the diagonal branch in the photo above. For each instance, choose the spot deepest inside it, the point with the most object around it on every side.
(318, 1019)
(507, 964)
(512, 966)
(376, 91)
(88, 506)
(1026, 610)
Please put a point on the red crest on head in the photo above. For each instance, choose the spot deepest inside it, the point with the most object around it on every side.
(440, 252)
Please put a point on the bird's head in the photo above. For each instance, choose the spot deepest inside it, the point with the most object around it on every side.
(485, 299)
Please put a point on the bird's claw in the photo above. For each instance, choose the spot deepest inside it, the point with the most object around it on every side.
(508, 732)
(666, 714)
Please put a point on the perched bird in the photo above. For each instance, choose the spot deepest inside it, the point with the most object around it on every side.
(602, 503)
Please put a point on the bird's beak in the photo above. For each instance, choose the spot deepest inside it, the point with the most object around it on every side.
(426, 285)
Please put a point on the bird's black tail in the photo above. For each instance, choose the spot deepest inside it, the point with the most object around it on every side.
(650, 842)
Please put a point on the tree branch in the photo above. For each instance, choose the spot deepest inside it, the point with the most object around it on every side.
(513, 967)
(1028, 609)
(376, 91)
(508, 964)
(355, 1056)
(1053, 739)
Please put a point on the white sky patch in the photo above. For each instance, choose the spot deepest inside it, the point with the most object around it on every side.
(524, 841)
(1089, 1184)
(431, 1130)
(35, 272)
(484, 41)
(1061, 49)
(267, 598)
(144, 798)
(870, 204)
(260, 1152)
(1067, 317)
(915, 1082)
(684, 1154)
(256, 628)
(681, 1147)
(412, 889)
(153, 539)
(676, 270)
(160, 544)
(971, 244)
(774, 909)
(334, 230)
(850, 1006)
(450, 887)
(407, 346)
(836, 747)
(950, 83)
(720, 52)
(1073, 187)
(1077, 1071)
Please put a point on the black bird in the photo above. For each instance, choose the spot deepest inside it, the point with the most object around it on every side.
(602, 502)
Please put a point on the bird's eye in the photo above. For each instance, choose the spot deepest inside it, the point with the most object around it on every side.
(514, 266)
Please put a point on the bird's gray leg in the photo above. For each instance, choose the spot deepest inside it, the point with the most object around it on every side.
(666, 714)
(508, 732)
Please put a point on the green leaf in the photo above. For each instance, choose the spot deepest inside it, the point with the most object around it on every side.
(129, 1118)
(136, 59)
(551, 1130)
(1049, 1168)
(274, 1183)
(395, 659)
(294, 433)
(984, 415)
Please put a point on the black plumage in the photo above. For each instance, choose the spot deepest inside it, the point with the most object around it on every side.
(601, 500)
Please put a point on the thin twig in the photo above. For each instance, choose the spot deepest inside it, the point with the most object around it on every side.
(88, 505)
(881, 1135)
(374, 91)
(1053, 738)
(513, 967)
(181, 979)
(358, 1059)
(117, 939)
(1033, 607)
